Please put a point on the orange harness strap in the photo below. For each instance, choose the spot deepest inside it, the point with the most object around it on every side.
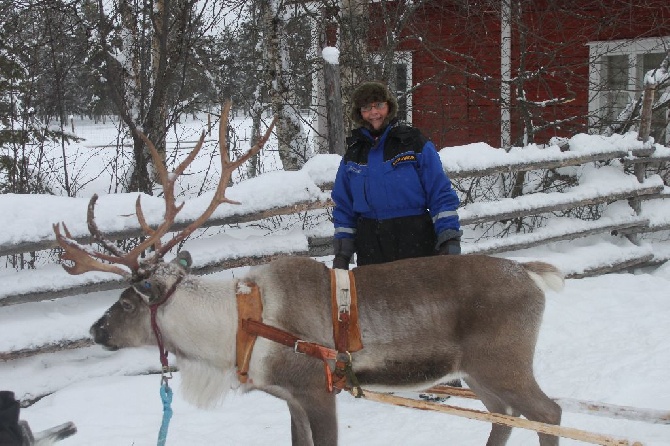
(249, 308)
(346, 333)
(299, 346)
(250, 326)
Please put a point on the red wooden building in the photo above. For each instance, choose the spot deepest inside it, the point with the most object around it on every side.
(571, 66)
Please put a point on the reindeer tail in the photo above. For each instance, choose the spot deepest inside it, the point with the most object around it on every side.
(546, 276)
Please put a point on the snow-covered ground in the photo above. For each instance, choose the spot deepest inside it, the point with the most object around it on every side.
(603, 339)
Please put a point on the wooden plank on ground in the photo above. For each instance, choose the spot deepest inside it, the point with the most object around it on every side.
(506, 420)
(652, 416)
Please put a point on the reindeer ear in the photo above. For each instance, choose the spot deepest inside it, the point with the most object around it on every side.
(184, 260)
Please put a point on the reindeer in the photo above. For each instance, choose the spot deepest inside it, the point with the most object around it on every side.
(422, 321)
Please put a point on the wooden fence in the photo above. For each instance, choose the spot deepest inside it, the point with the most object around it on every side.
(472, 214)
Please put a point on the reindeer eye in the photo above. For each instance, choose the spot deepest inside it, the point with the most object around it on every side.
(127, 306)
(146, 285)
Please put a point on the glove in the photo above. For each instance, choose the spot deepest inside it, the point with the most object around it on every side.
(450, 247)
(343, 249)
(341, 262)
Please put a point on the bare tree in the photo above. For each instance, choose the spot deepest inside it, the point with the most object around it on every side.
(281, 84)
(149, 49)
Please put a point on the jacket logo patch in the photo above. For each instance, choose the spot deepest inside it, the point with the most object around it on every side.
(404, 159)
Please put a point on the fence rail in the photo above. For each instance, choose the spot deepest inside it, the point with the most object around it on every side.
(471, 214)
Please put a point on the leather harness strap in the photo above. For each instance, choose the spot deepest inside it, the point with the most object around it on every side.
(153, 308)
(250, 326)
(282, 337)
(249, 308)
(346, 333)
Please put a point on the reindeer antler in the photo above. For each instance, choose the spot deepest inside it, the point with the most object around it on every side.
(86, 259)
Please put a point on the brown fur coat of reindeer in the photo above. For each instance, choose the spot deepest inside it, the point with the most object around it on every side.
(422, 321)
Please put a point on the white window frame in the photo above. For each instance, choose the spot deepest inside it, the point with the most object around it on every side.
(631, 48)
(404, 58)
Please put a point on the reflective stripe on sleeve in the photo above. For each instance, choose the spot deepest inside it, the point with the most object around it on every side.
(343, 230)
(445, 214)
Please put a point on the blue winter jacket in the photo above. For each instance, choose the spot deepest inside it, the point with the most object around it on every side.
(397, 175)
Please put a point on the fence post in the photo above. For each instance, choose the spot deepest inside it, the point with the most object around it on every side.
(645, 114)
(640, 169)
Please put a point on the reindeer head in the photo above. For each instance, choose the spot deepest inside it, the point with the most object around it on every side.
(127, 322)
(151, 278)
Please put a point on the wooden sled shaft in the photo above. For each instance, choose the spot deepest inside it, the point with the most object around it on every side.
(580, 406)
(543, 428)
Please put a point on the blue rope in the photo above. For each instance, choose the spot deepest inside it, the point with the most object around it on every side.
(166, 397)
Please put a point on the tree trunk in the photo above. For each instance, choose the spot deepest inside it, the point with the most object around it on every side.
(290, 140)
(254, 167)
(139, 180)
(331, 74)
(156, 44)
(355, 19)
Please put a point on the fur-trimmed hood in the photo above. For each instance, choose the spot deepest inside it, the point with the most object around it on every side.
(369, 92)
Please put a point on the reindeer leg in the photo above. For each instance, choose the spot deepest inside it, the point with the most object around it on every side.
(322, 413)
(535, 405)
(301, 432)
(313, 415)
(499, 433)
(513, 395)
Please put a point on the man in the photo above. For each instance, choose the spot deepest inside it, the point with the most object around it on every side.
(392, 198)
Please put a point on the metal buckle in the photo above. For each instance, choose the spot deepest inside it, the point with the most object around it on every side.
(344, 301)
(166, 374)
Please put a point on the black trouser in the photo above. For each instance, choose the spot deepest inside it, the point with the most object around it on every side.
(381, 241)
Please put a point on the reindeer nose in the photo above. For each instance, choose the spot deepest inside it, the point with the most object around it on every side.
(99, 335)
